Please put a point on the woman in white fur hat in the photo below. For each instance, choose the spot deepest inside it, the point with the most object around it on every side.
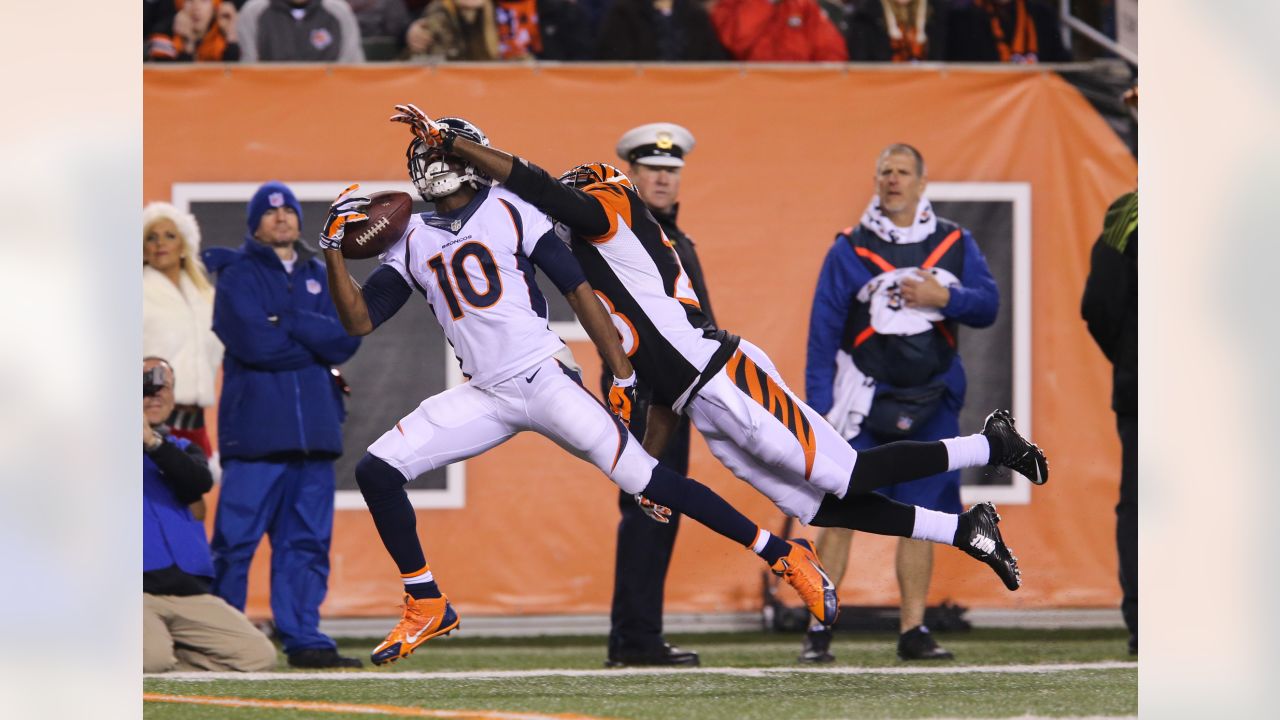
(177, 315)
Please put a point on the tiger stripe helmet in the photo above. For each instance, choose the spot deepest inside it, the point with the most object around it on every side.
(592, 173)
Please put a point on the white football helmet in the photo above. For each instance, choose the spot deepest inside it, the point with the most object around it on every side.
(429, 167)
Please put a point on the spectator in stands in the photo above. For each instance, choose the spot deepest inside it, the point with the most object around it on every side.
(519, 37)
(777, 30)
(1009, 31)
(279, 422)
(177, 316)
(454, 30)
(299, 31)
(658, 30)
(883, 365)
(382, 26)
(183, 626)
(1110, 308)
(567, 33)
(898, 31)
(200, 30)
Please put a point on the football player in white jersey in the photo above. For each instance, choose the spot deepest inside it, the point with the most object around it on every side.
(729, 387)
(473, 258)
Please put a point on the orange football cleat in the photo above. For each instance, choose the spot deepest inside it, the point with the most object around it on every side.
(423, 620)
(803, 571)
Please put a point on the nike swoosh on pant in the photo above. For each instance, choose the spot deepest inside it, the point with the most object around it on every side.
(534, 375)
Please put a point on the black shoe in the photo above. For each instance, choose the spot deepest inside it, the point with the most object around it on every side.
(1019, 454)
(979, 535)
(1133, 644)
(664, 654)
(322, 658)
(817, 647)
(918, 644)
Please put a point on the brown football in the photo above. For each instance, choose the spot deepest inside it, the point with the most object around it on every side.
(388, 213)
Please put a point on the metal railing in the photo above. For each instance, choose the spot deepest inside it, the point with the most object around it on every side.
(1071, 23)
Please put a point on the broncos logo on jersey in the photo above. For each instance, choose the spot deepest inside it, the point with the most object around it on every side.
(592, 173)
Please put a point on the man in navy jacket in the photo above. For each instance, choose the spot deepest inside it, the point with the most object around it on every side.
(882, 360)
(279, 422)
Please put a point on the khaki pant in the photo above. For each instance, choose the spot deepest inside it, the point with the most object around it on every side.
(200, 632)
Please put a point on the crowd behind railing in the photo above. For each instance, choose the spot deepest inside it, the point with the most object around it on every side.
(354, 31)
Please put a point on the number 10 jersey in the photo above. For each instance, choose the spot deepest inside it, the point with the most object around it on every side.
(473, 266)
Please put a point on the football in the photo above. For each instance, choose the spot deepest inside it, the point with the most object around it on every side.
(388, 213)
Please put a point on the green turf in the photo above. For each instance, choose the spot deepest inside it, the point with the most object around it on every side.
(712, 697)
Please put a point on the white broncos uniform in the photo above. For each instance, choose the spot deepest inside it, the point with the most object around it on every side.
(475, 268)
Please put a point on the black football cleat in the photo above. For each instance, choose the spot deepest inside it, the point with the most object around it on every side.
(978, 535)
(665, 655)
(918, 644)
(817, 646)
(322, 659)
(1020, 455)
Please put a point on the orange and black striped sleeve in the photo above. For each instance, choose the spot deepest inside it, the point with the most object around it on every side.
(616, 205)
(583, 213)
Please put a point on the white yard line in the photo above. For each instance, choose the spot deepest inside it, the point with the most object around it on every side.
(357, 709)
(622, 672)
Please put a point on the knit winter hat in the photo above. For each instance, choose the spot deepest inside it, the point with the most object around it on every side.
(184, 221)
(273, 194)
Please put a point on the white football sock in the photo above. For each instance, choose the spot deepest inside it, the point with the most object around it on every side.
(935, 526)
(762, 539)
(968, 451)
(425, 577)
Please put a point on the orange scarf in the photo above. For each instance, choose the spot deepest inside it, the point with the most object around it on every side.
(1025, 45)
(907, 38)
(211, 46)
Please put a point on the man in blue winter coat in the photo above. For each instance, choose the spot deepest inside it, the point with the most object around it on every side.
(279, 423)
(883, 365)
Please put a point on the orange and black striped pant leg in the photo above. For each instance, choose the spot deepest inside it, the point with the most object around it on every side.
(756, 383)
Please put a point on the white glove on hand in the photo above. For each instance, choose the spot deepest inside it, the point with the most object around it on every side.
(656, 512)
(343, 210)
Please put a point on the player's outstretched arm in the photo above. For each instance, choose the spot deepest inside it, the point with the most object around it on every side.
(571, 206)
(599, 328)
(347, 298)
(343, 288)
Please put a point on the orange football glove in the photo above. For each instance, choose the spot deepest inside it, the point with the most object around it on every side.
(424, 128)
(656, 512)
(343, 210)
(622, 397)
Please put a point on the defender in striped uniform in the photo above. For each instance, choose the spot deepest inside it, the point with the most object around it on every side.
(473, 259)
(730, 388)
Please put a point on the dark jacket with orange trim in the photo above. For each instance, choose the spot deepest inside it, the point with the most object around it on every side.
(975, 302)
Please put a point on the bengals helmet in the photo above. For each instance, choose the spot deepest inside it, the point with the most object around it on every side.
(592, 173)
(431, 174)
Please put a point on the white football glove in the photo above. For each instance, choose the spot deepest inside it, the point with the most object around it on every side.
(656, 512)
(347, 208)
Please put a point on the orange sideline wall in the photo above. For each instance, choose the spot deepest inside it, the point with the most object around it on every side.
(784, 159)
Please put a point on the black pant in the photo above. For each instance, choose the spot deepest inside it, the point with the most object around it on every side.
(644, 552)
(1127, 522)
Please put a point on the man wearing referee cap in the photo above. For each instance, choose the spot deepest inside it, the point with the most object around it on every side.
(655, 154)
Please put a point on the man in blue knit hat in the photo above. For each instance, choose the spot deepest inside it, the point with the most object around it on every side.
(279, 423)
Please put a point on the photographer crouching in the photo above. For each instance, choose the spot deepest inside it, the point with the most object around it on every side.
(184, 627)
